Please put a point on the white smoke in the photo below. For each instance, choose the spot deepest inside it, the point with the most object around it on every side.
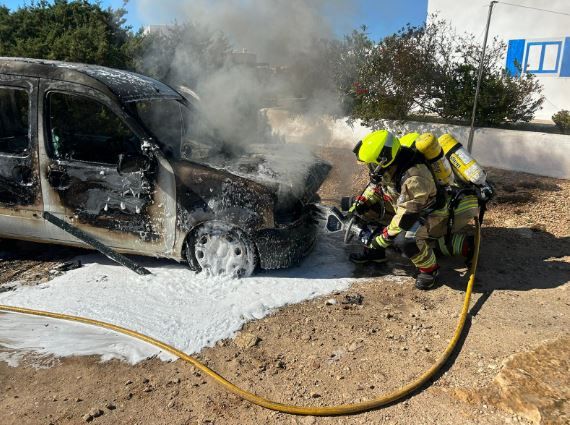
(282, 33)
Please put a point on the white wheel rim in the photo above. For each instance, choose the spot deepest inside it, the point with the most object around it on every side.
(220, 252)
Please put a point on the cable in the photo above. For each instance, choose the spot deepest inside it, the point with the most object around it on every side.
(286, 408)
(535, 8)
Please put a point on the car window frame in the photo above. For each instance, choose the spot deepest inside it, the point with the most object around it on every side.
(91, 94)
(20, 85)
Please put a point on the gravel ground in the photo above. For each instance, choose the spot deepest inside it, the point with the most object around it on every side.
(512, 367)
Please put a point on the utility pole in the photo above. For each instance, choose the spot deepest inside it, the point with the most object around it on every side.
(482, 61)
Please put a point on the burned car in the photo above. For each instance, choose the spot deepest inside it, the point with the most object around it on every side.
(119, 156)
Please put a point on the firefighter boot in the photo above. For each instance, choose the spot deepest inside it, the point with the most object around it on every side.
(369, 255)
(427, 278)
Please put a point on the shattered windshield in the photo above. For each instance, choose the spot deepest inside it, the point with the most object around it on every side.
(179, 131)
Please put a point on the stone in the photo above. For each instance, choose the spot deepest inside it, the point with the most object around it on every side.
(246, 340)
(111, 406)
(531, 384)
(92, 414)
(330, 301)
(352, 347)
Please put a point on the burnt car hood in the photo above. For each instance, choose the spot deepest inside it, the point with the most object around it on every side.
(292, 172)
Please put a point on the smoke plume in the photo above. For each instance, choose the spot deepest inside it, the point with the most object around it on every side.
(286, 35)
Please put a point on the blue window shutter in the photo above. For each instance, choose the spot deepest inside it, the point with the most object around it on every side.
(565, 65)
(515, 56)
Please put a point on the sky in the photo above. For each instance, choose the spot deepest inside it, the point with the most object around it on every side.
(381, 17)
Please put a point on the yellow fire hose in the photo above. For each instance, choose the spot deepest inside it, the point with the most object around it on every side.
(286, 408)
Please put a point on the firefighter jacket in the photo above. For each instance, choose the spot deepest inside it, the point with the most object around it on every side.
(410, 195)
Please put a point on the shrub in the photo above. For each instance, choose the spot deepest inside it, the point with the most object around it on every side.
(562, 121)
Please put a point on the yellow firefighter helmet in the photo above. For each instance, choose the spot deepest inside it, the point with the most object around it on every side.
(379, 147)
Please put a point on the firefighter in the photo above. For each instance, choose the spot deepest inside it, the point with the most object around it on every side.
(417, 211)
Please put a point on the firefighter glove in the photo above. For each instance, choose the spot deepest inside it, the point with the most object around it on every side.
(360, 206)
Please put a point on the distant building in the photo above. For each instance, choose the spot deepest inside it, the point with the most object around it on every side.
(538, 42)
(157, 29)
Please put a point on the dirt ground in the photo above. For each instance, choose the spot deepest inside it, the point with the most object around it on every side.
(512, 367)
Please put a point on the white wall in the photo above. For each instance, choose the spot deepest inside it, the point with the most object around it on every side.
(530, 152)
(510, 23)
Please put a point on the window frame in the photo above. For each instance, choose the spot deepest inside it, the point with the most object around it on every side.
(4, 84)
(543, 45)
(104, 101)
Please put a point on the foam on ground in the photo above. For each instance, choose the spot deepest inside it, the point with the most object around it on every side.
(187, 310)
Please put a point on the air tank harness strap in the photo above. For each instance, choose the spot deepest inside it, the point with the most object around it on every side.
(456, 198)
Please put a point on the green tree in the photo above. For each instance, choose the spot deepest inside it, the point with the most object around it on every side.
(74, 31)
(503, 97)
(432, 70)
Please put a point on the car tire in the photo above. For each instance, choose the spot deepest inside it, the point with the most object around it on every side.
(220, 249)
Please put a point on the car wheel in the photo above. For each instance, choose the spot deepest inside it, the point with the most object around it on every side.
(220, 249)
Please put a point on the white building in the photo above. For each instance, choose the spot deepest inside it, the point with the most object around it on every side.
(538, 41)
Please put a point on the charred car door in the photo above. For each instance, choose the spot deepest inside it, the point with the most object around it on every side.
(20, 194)
(98, 175)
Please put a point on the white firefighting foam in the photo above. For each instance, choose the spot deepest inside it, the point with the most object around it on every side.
(187, 310)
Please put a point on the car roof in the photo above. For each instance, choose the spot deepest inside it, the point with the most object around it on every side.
(125, 85)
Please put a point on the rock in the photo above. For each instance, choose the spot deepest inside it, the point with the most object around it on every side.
(352, 347)
(330, 301)
(532, 384)
(111, 406)
(314, 394)
(93, 413)
(129, 382)
(171, 404)
(147, 389)
(246, 340)
(356, 299)
(389, 315)
(145, 381)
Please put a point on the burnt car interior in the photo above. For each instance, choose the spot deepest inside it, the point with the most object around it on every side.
(99, 172)
(14, 122)
(179, 131)
(82, 129)
(16, 183)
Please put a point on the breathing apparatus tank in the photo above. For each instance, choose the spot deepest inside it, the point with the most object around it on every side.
(407, 140)
(466, 168)
(427, 144)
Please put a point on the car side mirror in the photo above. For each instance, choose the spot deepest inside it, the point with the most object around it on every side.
(131, 163)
